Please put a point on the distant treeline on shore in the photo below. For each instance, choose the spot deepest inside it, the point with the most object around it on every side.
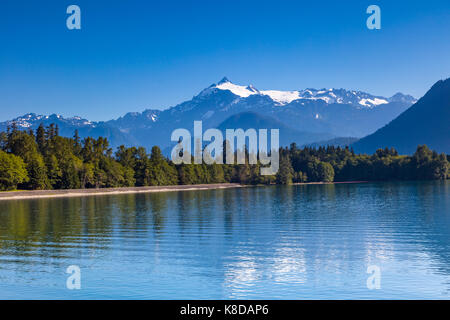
(41, 159)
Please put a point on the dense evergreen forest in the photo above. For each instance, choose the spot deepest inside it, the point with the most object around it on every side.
(44, 160)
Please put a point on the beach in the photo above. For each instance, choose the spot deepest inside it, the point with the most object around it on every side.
(37, 194)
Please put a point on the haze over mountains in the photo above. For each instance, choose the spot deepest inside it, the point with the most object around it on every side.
(247, 120)
(303, 116)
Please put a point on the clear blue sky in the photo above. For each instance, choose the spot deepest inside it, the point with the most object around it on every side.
(132, 55)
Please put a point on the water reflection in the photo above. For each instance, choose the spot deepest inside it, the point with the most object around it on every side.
(293, 242)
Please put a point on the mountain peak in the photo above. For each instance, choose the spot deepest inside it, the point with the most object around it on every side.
(400, 97)
(224, 80)
(441, 84)
(241, 91)
(252, 88)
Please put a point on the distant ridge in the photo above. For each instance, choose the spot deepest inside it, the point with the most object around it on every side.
(336, 142)
(426, 122)
(248, 120)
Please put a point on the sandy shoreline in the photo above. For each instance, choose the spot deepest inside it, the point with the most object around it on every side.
(38, 194)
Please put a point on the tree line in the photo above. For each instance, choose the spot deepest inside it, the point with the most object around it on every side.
(44, 160)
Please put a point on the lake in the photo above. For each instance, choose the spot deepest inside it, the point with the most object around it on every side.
(274, 242)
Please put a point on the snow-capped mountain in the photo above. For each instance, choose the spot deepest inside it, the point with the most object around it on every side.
(67, 127)
(141, 120)
(329, 96)
(327, 112)
(30, 120)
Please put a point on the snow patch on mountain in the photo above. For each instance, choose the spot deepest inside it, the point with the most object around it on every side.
(241, 91)
(30, 120)
(282, 97)
(372, 102)
(329, 96)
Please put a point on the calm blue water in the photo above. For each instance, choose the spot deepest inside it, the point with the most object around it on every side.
(293, 242)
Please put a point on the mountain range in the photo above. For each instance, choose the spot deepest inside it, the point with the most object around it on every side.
(303, 116)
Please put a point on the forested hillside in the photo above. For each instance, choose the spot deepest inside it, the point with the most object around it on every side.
(426, 122)
(42, 159)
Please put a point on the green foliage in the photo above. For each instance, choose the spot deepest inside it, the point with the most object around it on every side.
(45, 160)
(37, 172)
(286, 172)
(12, 171)
(429, 165)
(384, 165)
(300, 177)
(216, 173)
(160, 173)
(325, 172)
